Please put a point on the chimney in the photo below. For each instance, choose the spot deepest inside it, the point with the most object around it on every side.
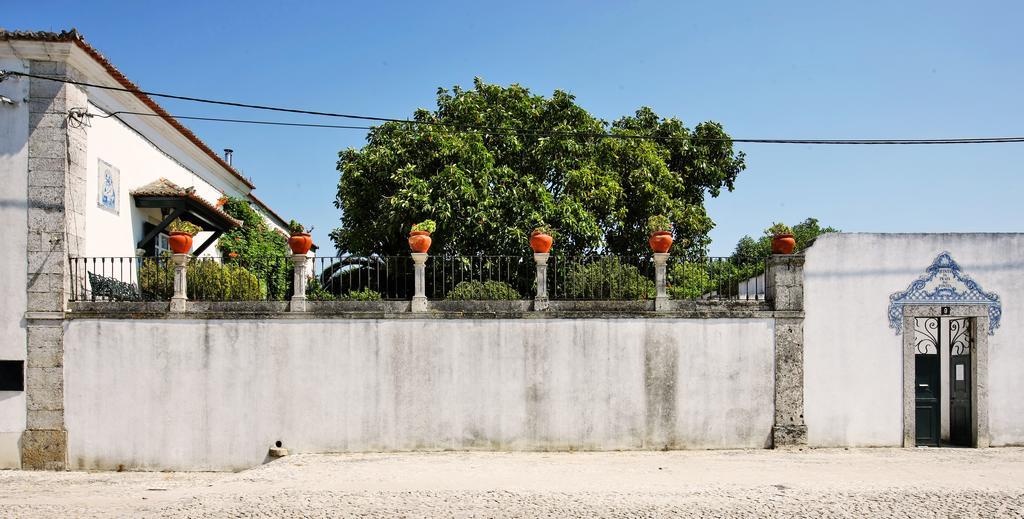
(227, 155)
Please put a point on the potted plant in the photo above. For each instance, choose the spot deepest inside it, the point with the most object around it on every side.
(783, 241)
(300, 241)
(181, 235)
(419, 236)
(660, 229)
(541, 239)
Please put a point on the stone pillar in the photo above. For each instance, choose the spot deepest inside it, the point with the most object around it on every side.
(298, 302)
(56, 231)
(44, 442)
(540, 299)
(661, 301)
(784, 282)
(785, 289)
(419, 298)
(180, 297)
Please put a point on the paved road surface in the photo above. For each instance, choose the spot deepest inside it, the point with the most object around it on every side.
(810, 483)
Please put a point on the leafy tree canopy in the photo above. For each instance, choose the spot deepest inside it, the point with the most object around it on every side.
(488, 190)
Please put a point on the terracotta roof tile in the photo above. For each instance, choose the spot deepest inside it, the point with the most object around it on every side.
(165, 188)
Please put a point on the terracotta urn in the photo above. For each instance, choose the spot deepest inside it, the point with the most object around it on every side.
(541, 242)
(660, 241)
(300, 243)
(181, 242)
(419, 241)
(783, 244)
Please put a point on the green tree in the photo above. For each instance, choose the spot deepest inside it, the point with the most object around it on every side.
(488, 189)
(257, 248)
(753, 252)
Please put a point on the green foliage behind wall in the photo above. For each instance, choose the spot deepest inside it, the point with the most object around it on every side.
(257, 248)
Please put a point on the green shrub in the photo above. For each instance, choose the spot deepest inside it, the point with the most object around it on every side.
(258, 249)
(607, 278)
(544, 229)
(688, 280)
(777, 229)
(691, 280)
(156, 278)
(207, 281)
(215, 281)
(295, 227)
(483, 291)
(366, 294)
(658, 223)
(316, 291)
(426, 225)
(179, 225)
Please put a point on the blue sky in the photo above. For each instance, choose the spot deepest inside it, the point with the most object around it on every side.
(764, 70)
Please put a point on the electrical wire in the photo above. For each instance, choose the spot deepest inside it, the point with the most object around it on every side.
(489, 130)
(241, 121)
(979, 140)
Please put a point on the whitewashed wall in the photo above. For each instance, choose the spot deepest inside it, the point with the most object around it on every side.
(13, 263)
(216, 394)
(140, 162)
(853, 360)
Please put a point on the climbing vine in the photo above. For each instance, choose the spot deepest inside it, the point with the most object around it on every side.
(257, 248)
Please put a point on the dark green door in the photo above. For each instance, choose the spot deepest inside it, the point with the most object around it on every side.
(960, 382)
(927, 380)
(927, 383)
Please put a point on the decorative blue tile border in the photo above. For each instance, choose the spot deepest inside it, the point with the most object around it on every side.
(944, 284)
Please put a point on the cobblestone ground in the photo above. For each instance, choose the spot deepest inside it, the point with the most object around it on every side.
(810, 483)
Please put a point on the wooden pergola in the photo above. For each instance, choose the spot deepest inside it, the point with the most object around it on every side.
(176, 202)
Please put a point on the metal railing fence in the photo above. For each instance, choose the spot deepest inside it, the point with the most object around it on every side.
(480, 277)
(599, 277)
(603, 277)
(360, 278)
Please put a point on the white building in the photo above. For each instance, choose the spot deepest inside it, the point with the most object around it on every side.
(123, 153)
(81, 175)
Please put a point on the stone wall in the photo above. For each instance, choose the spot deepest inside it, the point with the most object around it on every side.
(56, 230)
(217, 393)
(785, 279)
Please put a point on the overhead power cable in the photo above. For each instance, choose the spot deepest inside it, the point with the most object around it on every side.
(488, 130)
(981, 140)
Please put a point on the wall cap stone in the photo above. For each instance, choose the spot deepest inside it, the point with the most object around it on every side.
(435, 310)
(44, 316)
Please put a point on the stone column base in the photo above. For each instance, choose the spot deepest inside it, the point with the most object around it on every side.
(419, 304)
(179, 304)
(297, 304)
(789, 436)
(662, 304)
(540, 304)
(44, 449)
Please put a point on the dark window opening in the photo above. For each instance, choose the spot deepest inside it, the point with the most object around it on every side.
(12, 375)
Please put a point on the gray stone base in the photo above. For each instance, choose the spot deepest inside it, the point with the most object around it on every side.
(419, 304)
(179, 304)
(44, 449)
(662, 304)
(789, 436)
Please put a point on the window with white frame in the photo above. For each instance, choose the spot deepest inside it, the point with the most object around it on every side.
(161, 245)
